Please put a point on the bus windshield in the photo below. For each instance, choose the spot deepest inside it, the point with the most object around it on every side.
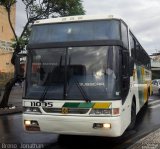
(78, 72)
(75, 31)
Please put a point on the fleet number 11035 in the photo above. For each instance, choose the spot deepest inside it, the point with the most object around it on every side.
(41, 104)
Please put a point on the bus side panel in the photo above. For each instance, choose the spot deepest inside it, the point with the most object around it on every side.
(126, 110)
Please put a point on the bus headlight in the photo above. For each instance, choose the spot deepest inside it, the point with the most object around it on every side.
(31, 125)
(102, 125)
(101, 111)
(31, 110)
(27, 123)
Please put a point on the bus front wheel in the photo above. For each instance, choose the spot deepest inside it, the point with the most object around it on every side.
(133, 116)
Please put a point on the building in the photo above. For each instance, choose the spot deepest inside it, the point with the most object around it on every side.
(6, 51)
(155, 64)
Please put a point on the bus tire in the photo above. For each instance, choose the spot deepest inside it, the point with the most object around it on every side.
(133, 116)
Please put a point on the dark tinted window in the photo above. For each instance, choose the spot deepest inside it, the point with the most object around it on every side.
(124, 33)
(79, 72)
(132, 44)
(139, 54)
(75, 31)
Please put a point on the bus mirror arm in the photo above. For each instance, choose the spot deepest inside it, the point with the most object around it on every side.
(131, 66)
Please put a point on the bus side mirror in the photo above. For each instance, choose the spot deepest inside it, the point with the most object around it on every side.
(131, 66)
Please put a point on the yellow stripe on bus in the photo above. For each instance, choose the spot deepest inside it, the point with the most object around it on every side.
(100, 105)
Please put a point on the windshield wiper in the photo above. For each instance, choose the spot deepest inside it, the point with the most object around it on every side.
(82, 91)
(42, 98)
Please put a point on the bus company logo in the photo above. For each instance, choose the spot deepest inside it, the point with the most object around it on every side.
(65, 110)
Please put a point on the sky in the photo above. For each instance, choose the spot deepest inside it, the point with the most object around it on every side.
(142, 16)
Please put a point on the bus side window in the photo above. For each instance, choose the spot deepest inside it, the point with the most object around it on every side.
(132, 45)
(124, 33)
(138, 56)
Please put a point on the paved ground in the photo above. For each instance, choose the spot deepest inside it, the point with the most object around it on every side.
(15, 99)
(151, 141)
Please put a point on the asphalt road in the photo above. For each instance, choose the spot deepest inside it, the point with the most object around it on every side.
(11, 132)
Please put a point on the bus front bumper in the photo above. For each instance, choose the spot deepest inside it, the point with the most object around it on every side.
(74, 125)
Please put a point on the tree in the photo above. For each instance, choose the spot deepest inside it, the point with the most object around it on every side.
(35, 9)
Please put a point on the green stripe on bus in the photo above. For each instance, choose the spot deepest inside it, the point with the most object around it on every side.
(71, 105)
(85, 105)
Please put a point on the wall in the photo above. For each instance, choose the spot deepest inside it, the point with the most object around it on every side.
(6, 51)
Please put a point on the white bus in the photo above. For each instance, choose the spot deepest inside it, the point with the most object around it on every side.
(86, 75)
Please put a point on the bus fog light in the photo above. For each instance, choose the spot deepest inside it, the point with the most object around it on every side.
(31, 125)
(101, 125)
(27, 122)
(106, 125)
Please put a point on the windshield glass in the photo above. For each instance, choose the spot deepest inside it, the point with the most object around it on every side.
(75, 31)
(77, 72)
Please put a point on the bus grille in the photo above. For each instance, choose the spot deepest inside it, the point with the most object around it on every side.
(69, 110)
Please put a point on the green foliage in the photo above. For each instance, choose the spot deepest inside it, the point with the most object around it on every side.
(41, 9)
(7, 3)
(69, 7)
(22, 41)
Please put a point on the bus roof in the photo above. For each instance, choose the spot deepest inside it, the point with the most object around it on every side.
(75, 19)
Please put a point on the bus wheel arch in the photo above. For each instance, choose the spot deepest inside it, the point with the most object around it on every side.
(133, 114)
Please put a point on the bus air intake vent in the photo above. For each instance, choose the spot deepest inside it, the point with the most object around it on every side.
(68, 111)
